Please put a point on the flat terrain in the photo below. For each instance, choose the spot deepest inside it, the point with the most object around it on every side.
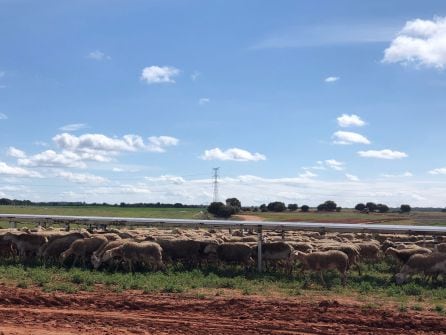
(25, 311)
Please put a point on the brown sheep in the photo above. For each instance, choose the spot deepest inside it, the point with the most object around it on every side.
(27, 244)
(147, 253)
(427, 264)
(54, 248)
(324, 260)
(96, 257)
(83, 249)
(238, 253)
(403, 255)
(275, 253)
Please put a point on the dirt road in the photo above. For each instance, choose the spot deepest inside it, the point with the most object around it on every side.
(26, 311)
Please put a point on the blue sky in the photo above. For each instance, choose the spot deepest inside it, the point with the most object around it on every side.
(302, 102)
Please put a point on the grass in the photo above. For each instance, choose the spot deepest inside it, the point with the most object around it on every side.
(374, 284)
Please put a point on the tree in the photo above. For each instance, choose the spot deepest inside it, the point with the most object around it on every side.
(263, 208)
(327, 206)
(293, 207)
(215, 207)
(382, 208)
(235, 203)
(360, 207)
(371, 206)
(305, 208)
(276, 206)
(221, 210)
(405, 208)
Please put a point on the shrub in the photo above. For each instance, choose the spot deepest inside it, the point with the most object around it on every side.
(360, 207)
(293, 207)
(276, 206)
(405, 208)
(305, 208)
(327, 206)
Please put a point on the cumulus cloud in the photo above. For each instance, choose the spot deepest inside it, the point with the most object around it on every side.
(177, 180)
(420, 42)
(353, 120)
(203, 101)
(81, 178)
(98, 55)
(383, 154)
(101, 144)
(16, 153)
(351, 177)
(307, 174)
(438, 171)
(3, 116)
(159, 74)
(15, 171)
(347, 137)
(233, 154)
(73, 127)
(331, 79)
(51, 158)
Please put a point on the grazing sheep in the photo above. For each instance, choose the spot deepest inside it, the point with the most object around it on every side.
(6, 248)
(441, 247)
(324, 260)
(428, 264)
(238, 253)
(83, 249)
(147, 253)
(54, 248)
(276, 252)
(301, 246)
(369, 251)
(27, 244)
(351, 250)
(186, 251)
(403, 255)
(96, 257)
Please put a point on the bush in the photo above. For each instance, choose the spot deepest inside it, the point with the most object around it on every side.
(382, 208)
(327, 206)
(360, 207)
(220, 210)
(305, 208)
(293, 207)
(263, 208)
(371, 206)
(234, 203)
(405, 208)
(276, 206)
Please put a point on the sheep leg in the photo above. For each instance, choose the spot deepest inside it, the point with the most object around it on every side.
(322, 278)
(359, 269)
(75, 261)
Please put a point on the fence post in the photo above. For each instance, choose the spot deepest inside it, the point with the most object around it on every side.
(259, 248)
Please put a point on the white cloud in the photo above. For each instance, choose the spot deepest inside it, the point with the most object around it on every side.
(16, 171)
(167, 179)
(73, 127)
(420, 42)
(307, 174)
(351, 177)
(383, 154)
(3, 116)
(203, 101)
(335, 165)
(401, 175)
(331, 79)
(346, 120)
(98, 55)
(159, 74)
(101, 144)
(50, 158)
(233, 154)
(116, 169)
(40, 143)
(347, 137)
(81, 178)
(438, 171)
(16, 153)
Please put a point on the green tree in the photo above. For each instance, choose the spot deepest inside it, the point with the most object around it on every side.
(305, 208)
(293, 207)
(360, 207)
(405, 208)
(276, 206)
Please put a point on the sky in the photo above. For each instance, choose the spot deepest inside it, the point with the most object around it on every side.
(298, 101)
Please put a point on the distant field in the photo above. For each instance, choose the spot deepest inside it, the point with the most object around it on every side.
(346, 216)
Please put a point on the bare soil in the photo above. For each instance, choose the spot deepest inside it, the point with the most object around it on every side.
(31, 311)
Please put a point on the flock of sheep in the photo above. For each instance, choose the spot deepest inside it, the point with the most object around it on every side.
(153, 248)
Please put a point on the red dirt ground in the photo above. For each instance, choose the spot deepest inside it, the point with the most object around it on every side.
(26, 311)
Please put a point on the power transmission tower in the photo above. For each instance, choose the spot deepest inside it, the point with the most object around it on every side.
(215, 199)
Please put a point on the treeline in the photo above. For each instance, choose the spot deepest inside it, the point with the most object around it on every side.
(15, 202)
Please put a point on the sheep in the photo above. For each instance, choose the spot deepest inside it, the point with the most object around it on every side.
(239, 253)
(351, 250)
(324, 260)
(54, 248)
(276, 252)
(27, 244)
(403, 255)
(96, 257)
(148, 253)
(6, 248)
(83, 249)
(428, 264)
(369, 251)
(441, 247)
(187, 251)
(301, 246)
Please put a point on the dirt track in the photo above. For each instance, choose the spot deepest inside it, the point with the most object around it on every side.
(25, 311)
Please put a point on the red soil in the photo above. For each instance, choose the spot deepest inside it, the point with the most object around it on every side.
(26, 311)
